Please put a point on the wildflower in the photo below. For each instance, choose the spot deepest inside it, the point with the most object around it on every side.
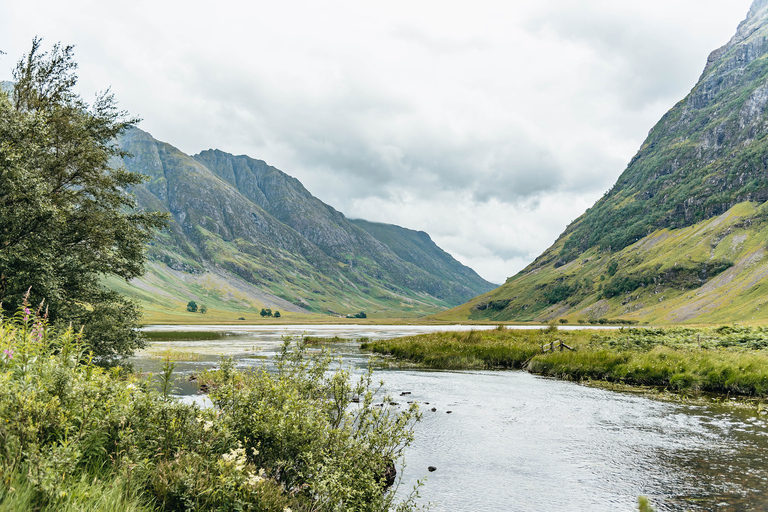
(207, 426)
(286, 509)
(8, 353)
(255, 479)
(236, 458)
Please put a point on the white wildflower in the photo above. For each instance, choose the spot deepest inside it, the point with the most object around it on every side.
(236, 458)
(254, 479)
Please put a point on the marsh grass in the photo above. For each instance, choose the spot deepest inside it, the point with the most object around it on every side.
(731, 360)
(183, 335)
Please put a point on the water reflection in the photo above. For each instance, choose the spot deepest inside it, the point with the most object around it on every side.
(519, 442)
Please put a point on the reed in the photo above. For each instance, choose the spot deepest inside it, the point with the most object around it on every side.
(718, 360)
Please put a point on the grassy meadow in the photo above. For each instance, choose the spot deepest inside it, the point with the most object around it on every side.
(724, 360)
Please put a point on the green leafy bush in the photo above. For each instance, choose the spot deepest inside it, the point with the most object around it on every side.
(76, 436)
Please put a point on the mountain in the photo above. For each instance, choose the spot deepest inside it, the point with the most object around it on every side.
(244, 235)
(681, 236)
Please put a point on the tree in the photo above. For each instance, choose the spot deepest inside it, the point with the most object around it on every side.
(192, 306)
(203, 309)
(266, 312)
(66, 217)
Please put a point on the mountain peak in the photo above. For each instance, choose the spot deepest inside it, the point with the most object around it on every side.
(681, 235)
(756, 21)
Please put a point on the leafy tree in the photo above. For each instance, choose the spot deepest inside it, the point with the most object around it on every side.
(192, 306)
(66, 218)
(277, 314)
(266, 312)
(203, 309)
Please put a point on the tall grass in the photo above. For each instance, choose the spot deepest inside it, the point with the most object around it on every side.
(724, 360)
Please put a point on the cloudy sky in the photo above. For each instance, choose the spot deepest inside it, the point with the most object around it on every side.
(488, 124)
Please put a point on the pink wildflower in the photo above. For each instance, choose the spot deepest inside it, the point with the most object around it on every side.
(8, 353)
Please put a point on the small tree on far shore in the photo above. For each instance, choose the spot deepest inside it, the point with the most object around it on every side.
(277, 314)
(192, 306)
(203, 309)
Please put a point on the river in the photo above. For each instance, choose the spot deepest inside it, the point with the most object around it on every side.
(519, 442)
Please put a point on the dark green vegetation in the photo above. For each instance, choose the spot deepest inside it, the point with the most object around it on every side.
(78, 437)
(680, 236)
(183, 335)
(245, 235)
(727, 360)
(66, 220)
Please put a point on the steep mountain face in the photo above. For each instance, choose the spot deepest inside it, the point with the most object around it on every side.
(706, 158)
(245, 221)
(418, 248)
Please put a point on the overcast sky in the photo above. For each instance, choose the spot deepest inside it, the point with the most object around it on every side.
(490, 125)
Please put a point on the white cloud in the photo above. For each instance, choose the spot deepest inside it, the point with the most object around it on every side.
(489, 125)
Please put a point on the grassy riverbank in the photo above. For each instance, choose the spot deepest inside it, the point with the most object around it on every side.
(725, 360)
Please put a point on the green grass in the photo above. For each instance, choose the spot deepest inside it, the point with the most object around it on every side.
(183, 335)
(725, 360)
(84, 494)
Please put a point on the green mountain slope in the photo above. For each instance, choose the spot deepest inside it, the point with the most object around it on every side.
(418, 248)
(705, 162)
(245, 235)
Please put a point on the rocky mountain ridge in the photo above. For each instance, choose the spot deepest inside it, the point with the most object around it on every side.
(242, 221)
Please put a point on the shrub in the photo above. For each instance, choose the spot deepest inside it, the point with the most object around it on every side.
(88, 438)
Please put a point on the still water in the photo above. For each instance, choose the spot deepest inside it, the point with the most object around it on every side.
(518, 442)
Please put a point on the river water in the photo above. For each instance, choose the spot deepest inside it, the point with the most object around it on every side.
(519, 442)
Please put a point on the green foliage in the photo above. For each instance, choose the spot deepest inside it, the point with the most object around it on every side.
(494, 305)
(277, 314)
(727, 360)
(192, 306)
(559, 291)
(302, 424)
(65, 217)
(265, 312)
(203, 309)
(643, 505)
(76, 436)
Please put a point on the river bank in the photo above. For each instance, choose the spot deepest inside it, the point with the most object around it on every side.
(723, 360)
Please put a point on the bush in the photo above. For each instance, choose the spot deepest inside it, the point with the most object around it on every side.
(192, 306)
(88, 438)
(301, 423)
